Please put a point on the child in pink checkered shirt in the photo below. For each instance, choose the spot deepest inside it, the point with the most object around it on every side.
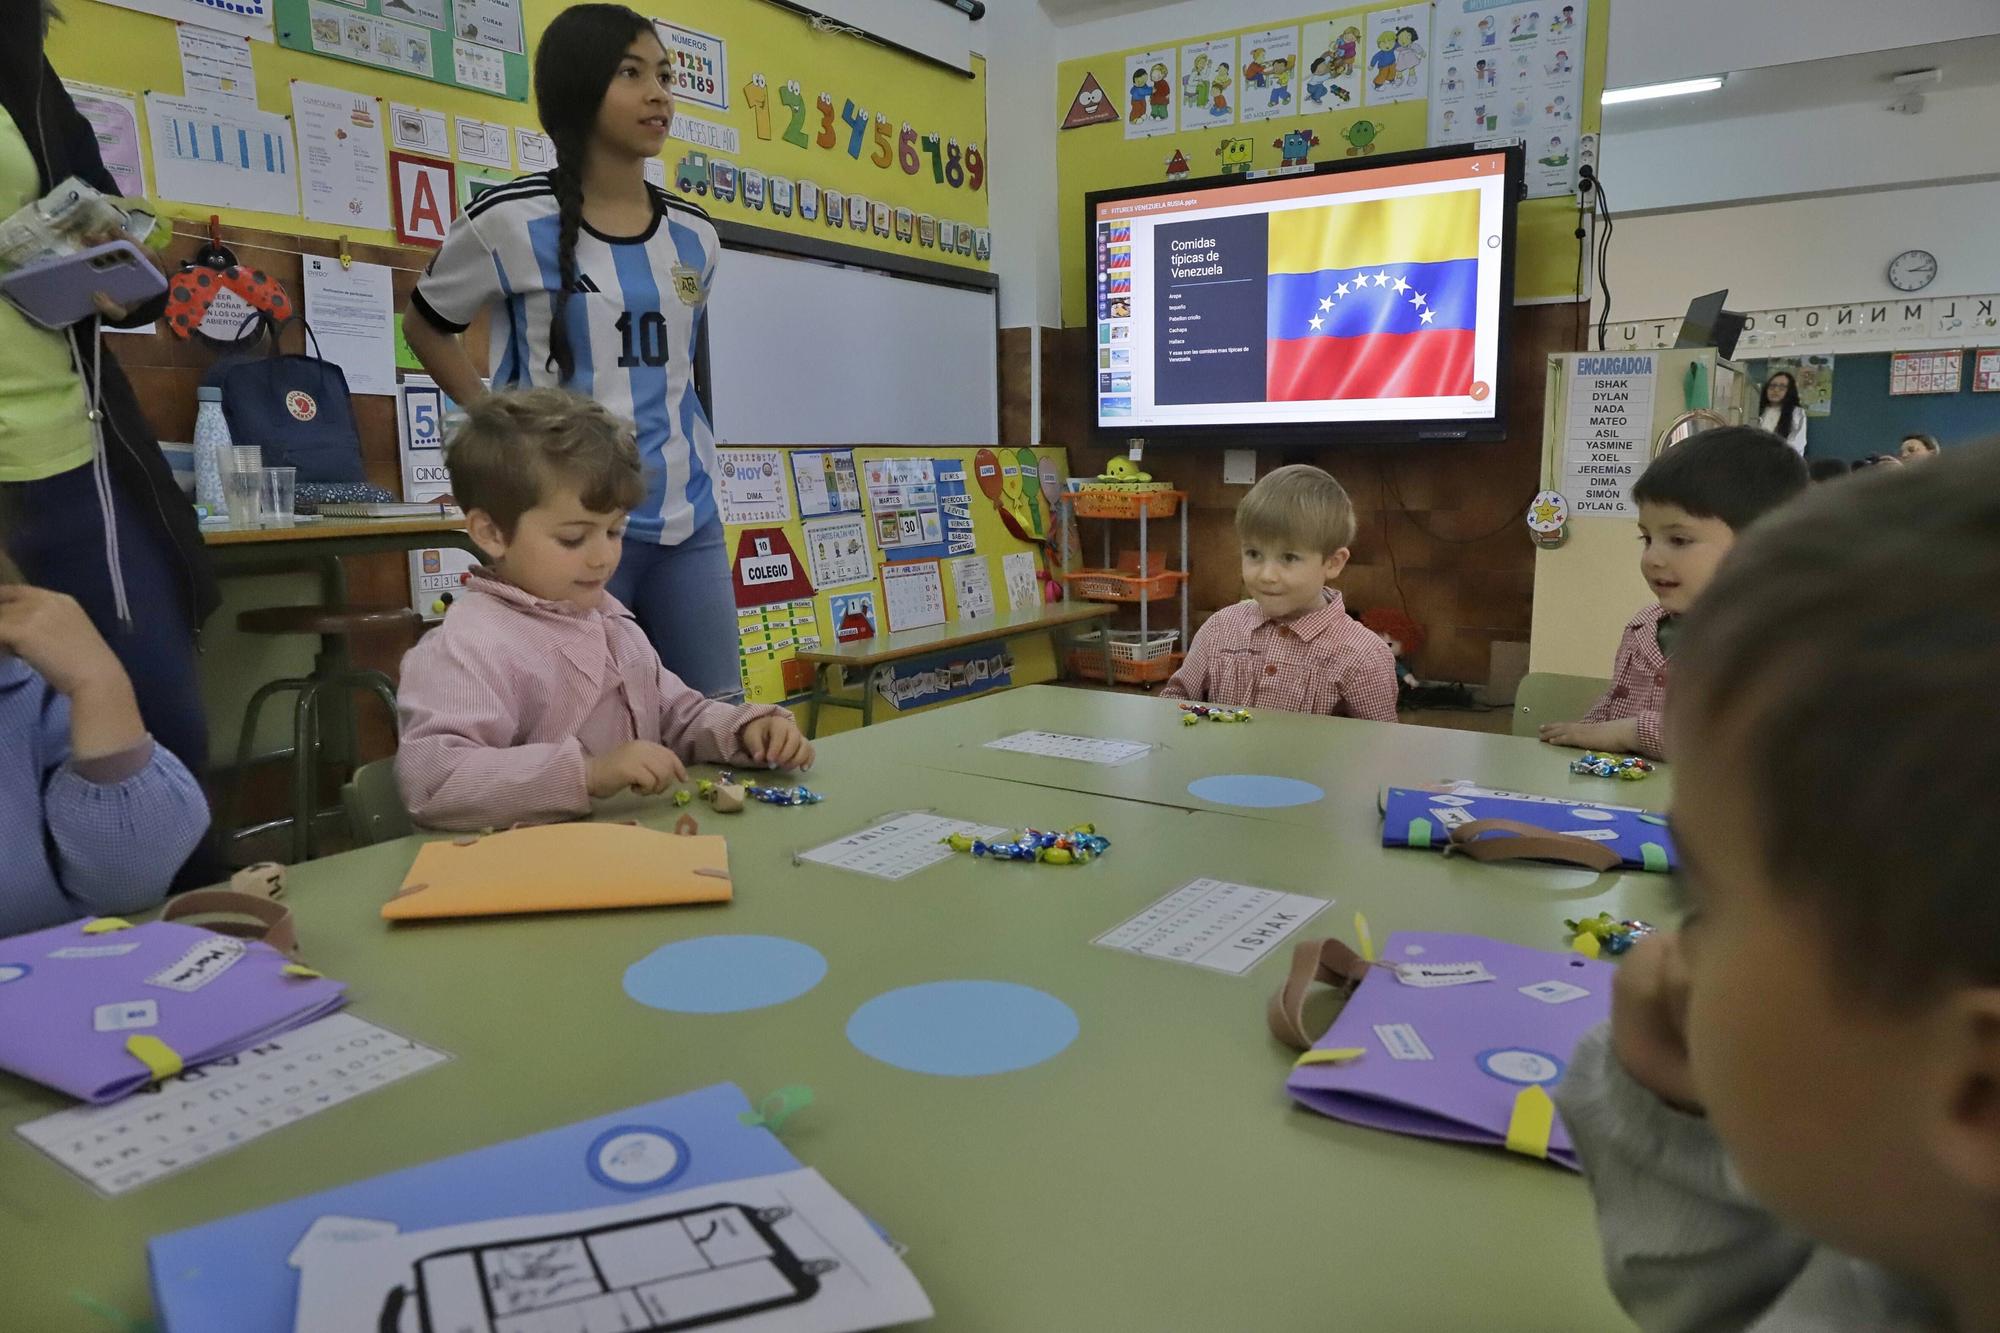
(540, 692)
(1292, 646)
(1693, 501)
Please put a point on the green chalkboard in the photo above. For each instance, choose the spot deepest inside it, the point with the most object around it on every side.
(477, 45)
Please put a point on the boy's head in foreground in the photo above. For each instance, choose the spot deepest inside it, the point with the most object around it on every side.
(1295, 527)
(545, 478)
(1698, 495)
(1837, 788)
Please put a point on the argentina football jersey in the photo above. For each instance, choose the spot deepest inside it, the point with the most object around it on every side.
(633, 317)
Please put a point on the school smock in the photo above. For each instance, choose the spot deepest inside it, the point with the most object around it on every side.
(634, 318)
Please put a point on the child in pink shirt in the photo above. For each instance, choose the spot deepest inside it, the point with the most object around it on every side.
(540, 692)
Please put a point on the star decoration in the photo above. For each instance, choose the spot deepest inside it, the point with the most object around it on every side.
(1418, 301)
(1317, 323)
(1402, 286)
(1425, 317)
(1326, 302)
(1381, 280)
(1340, 290)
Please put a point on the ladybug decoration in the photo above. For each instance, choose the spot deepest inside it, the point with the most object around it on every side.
(211, 272)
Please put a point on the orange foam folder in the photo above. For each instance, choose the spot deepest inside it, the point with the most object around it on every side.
(562, 868)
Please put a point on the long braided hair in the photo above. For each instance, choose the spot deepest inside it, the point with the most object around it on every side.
(574, 61)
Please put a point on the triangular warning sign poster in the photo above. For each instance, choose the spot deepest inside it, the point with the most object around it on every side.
(1090, 106)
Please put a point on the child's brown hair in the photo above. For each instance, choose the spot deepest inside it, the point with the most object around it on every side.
(515, 448)
(1298, 506)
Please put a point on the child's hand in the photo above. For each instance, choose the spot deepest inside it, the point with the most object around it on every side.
(777, 742)
(1621, 734)
(51, 633)
(1649, 1019)
(646, 767)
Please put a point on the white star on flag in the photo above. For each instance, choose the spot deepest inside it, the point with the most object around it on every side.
(1418, 300)
(1381, 280)
(1326, 303)
(1401, 286)
(1340, 290)
(1317, 323)
(1425, 317)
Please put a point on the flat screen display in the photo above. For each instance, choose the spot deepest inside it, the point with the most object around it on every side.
(1364, 298)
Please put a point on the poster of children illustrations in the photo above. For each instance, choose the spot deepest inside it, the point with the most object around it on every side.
(1270, 74)
(1514, 70)
(1150, 93)
(1396, 53)
(1208, 84)
(1330, 50)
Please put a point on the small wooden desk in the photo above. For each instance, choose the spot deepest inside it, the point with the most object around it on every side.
(868, 654)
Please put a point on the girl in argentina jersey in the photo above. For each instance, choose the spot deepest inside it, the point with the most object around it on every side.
(594, 279)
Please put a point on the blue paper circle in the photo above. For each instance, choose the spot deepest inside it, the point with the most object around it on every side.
(637, 1158)
(722, 974)
(13, 972)
(963, 1028)
(1255, 789)
(1519, 1064)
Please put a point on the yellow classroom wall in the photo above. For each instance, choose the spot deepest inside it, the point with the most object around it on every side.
(136, 53)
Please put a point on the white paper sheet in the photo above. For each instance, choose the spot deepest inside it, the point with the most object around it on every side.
(495, 23)
(475, 66)
(246, 18)
(750, 486)
(436, 573)
(352, 312)
(826, 482)
(345, 169)
(1214, 924)
(789, 1242)
(416, 129)
(1061, 745)
(913, 595)
(430, 13)
(1610, 431)
(1023, 588)
(972, 585)
(226, 1103)
(223, 155)
(837, 551)
(536, 151)
(899, 846)
(1512, 70)
(114, 117)
(484, 142)
(215, 66)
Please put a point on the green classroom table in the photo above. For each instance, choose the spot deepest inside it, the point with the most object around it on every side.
(1152, 1176)
(1350, 761)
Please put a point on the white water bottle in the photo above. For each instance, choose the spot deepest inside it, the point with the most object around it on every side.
(211, 440)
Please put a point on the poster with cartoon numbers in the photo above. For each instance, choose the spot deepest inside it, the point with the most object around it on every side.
(1513, 70)
(1330, 63)
(1150, 83)
(1395, 54)
(1269, 74)
(1208, 84)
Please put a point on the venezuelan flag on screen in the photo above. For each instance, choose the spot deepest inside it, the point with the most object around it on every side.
(1375, 299)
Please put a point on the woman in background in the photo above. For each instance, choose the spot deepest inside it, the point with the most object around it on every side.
(1781, 413)
(94, 510)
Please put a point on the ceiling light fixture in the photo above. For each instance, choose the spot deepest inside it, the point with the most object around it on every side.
(1646, 92)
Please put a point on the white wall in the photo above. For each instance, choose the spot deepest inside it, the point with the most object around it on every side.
(1803, 252)
(1019, 44)
(1175, 22)
(1653, 41)
(1853, 146)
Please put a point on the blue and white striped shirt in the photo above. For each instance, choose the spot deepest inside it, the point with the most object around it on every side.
(633, 318)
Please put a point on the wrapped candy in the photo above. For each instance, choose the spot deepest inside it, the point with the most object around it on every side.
(1079, 845)
(1193, 713)
(785, 795)
(1606, 935)
(1625, 768)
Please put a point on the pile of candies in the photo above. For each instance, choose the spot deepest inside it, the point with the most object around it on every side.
(1073, 846)
(1626, 768)
(1612, 937)
(769, 795)
(1193, 713)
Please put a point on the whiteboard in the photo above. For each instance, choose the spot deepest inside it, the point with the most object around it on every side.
(807, 352)
(940, 31)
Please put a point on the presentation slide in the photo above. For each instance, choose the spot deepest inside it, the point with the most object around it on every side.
(1361, 296)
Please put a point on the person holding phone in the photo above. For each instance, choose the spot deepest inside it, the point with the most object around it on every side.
(92, 507)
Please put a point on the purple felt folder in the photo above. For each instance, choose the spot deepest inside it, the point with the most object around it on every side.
(101, 1013)
(1447, 1061)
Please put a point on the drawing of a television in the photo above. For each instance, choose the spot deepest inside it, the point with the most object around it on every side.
(649, 1275)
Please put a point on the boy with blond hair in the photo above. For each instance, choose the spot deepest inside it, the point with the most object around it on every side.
(539, 692)
(1792, 1121)
(1292, 646)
